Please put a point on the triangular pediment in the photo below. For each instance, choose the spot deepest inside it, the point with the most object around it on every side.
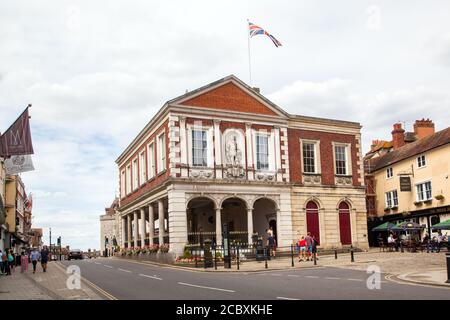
(230, 94)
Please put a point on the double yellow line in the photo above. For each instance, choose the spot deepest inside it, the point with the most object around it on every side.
(89, 283)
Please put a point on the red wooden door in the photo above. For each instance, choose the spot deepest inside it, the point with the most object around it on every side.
(312, 220)
(344, 224)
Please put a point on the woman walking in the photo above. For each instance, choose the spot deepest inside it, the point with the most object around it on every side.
(35, 257)
(23, 262)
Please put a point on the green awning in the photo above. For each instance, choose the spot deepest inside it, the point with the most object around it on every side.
(384, 227)
(445, 225)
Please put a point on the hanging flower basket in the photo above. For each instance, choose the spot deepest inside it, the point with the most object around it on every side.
(439, 197)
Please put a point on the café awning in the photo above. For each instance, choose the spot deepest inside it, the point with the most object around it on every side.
(445, 225)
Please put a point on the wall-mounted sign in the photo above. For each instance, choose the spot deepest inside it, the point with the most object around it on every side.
(405, 183)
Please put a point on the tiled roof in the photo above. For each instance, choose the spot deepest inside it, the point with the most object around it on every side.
(435, 140)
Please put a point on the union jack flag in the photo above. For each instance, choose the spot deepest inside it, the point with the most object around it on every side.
(255, 30)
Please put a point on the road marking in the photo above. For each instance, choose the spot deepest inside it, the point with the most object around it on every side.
(151, 277)
(332, 278)
(284, 298)
(354, 280)
(203, 287)
(105, 265)
(276, 274)
(293, 275)
(312, 277)
(124, 270)
(97, 262)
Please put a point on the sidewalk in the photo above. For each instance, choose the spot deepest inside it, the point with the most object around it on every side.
(43, 286)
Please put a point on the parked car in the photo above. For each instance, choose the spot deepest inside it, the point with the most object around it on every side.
(75, 254)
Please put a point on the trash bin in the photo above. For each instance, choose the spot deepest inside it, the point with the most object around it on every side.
(208, 254)
(259, 250)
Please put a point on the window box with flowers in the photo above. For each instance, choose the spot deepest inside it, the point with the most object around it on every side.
(418, 203)
(387, 209)
(428, 201)
(439, 197)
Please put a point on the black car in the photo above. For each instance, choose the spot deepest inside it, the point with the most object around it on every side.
(75, 254)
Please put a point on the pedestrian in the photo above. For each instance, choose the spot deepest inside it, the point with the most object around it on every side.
(44, 258)
(23, 262)
(314, 245)
(1, 263)
(11, 261)
(302, 250)
(35, 257)
(308, 240)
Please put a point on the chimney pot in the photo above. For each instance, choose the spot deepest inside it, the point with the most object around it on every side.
(398, 136)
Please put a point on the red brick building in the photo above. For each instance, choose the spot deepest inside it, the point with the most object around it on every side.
(224, 154)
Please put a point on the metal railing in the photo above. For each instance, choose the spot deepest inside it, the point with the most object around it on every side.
(199, 238)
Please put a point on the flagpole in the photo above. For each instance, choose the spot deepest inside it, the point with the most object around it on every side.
(249, 59)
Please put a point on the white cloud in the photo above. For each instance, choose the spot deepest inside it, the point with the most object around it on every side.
(96, 74)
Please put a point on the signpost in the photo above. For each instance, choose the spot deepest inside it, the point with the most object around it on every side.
(226, 246)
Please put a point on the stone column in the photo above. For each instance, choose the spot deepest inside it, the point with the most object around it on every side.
(129, 230)
(250, 225)
(124, 231)
(143, 221)
(218, 148)
(135, 228)
(279, 228)
(249, 151)
(151, 222)
(161, 221)
(218, 227)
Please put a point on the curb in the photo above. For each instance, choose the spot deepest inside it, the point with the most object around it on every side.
(215, 271)
(47, 291)
(396, 278)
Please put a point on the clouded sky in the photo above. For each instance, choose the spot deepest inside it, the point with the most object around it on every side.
(97, 72)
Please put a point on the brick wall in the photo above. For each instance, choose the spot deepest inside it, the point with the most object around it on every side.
(229, 97)
(326, 154)
(158, 179)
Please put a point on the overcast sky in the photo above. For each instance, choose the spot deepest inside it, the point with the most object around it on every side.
(96, 73)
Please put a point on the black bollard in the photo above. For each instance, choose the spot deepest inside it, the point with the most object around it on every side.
(292, 255)
(335, 254)
(401, 247)
(428, 246)
(215, 257)
(315, 259)
(447, 255)
(237, 257)
(195, 255)
(265, 257)
(352, 255)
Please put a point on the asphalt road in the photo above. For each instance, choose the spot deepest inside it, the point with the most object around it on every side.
(130, 280)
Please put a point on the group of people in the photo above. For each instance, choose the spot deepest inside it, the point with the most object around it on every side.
(307, 247)
(433, 244)
(10, 261)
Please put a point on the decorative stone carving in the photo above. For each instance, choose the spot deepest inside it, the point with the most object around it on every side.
(265, 177)
(343, 181)
(312, 179)
(201, 174)
(233, 152)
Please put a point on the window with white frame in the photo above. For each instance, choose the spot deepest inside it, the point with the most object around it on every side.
(424, 191)
(340, 158)
(262, 152)
(128, 179)
(309, 157)
(389, 173)
(122, 184)
(199, 148)
(151, 160)
(391, 199)
(142, 166)
(161, 153)
(135, 174)
(421, 161)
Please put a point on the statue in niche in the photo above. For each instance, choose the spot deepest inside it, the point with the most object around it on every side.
(232, 152)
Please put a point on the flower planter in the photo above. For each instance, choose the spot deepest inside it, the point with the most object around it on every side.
(418, 203)
(439, 197)
(159, 257)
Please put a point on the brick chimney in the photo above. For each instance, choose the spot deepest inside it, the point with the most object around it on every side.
(398, 136)
(423, 128)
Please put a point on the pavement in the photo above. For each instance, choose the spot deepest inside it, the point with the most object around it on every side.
(127, 279)
(51, 285)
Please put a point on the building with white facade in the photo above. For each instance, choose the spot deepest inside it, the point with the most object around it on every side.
(224, 154)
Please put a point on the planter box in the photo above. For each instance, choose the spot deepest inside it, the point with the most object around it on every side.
(166, 258)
